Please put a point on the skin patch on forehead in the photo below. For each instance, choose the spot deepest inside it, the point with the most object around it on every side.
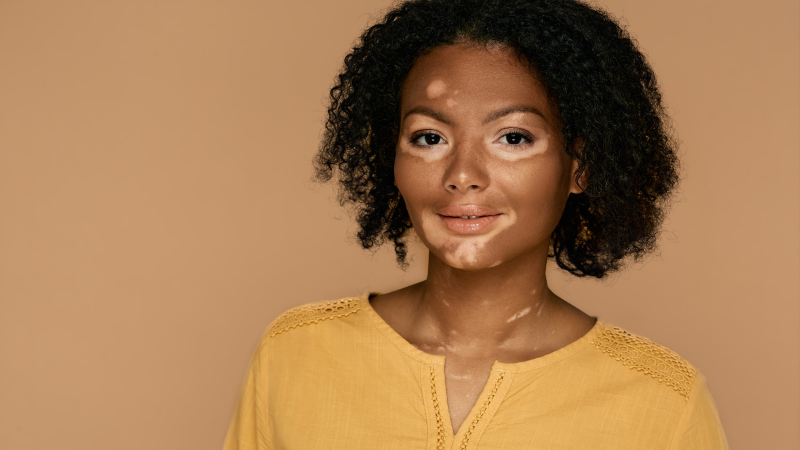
(436, 89)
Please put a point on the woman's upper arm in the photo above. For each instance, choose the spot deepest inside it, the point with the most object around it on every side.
(699, 427)
(250, 429)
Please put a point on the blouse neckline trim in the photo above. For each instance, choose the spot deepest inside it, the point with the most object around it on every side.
(524, 366)
(393, 336)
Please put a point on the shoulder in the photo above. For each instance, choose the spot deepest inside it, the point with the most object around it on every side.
(638, 353)
(313, 313)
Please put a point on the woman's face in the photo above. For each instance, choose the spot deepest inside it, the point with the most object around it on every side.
(480, 157)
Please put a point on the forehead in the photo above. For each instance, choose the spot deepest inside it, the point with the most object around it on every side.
(480, 74)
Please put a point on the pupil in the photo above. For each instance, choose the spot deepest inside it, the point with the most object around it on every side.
(514, 138)
(431, 139)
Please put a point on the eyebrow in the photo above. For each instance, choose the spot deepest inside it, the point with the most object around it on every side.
(510, 110)
(490, 118)
(428, 112)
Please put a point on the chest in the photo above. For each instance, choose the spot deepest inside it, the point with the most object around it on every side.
(465, 380)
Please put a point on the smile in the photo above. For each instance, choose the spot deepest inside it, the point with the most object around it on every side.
(468, 224)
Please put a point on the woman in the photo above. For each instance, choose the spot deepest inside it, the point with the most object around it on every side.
(502, 132)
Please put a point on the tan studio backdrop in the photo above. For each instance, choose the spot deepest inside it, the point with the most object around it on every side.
(156, 211)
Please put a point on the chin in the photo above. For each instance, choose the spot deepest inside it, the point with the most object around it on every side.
(470, 262)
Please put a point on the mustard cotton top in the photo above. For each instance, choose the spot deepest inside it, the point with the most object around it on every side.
(334, 375)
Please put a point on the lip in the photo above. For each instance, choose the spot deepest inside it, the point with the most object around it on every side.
(467, 210)
(451, 218)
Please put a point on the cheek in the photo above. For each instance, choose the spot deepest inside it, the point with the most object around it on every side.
(428, 155)
(540, 193)
(521, 156)
(415, 180)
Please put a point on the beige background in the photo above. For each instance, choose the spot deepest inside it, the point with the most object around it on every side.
(156, 214)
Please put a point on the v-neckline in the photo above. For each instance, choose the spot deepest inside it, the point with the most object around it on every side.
(492, 394)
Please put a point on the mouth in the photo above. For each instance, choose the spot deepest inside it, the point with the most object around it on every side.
(468, 219)
(467, 211)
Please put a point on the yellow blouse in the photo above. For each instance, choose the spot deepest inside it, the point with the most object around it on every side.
(334, 375)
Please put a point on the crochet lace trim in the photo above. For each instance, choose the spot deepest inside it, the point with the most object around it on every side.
(440, 431)
(648, 357)
(482, 411)
(440, 436)
(313, 313)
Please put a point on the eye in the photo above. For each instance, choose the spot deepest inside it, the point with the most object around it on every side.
(427, 139)
(515, 138)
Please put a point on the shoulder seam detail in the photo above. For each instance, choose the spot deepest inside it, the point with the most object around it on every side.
(313, 313)
(644, 355)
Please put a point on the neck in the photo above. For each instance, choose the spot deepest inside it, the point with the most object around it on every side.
(485, 309)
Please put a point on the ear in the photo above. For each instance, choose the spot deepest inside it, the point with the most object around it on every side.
(577, 186)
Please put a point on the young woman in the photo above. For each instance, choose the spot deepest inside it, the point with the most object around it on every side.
(503, 132)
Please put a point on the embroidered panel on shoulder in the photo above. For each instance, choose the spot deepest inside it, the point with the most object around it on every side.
(648, 357)
(313, 313)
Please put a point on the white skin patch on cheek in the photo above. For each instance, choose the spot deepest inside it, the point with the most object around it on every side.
(539, 147)
(427, 155)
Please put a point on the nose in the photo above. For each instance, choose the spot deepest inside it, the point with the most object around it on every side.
(466, 170)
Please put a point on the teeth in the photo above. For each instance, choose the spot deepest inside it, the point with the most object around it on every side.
(468, 217)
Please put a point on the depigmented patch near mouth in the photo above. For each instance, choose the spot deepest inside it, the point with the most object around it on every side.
(463, 251)
(467, 253)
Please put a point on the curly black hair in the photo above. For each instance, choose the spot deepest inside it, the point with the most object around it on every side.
(606, 94)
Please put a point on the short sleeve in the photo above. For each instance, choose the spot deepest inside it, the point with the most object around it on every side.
(699, 427)
(250, 428)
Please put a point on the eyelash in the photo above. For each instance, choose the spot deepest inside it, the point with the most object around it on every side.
(527, 136)
(415, 137)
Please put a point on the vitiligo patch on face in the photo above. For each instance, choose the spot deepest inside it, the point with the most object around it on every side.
(464, 251)
(539, 147)
(467, 252)
(436, 89)
(428, 154)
